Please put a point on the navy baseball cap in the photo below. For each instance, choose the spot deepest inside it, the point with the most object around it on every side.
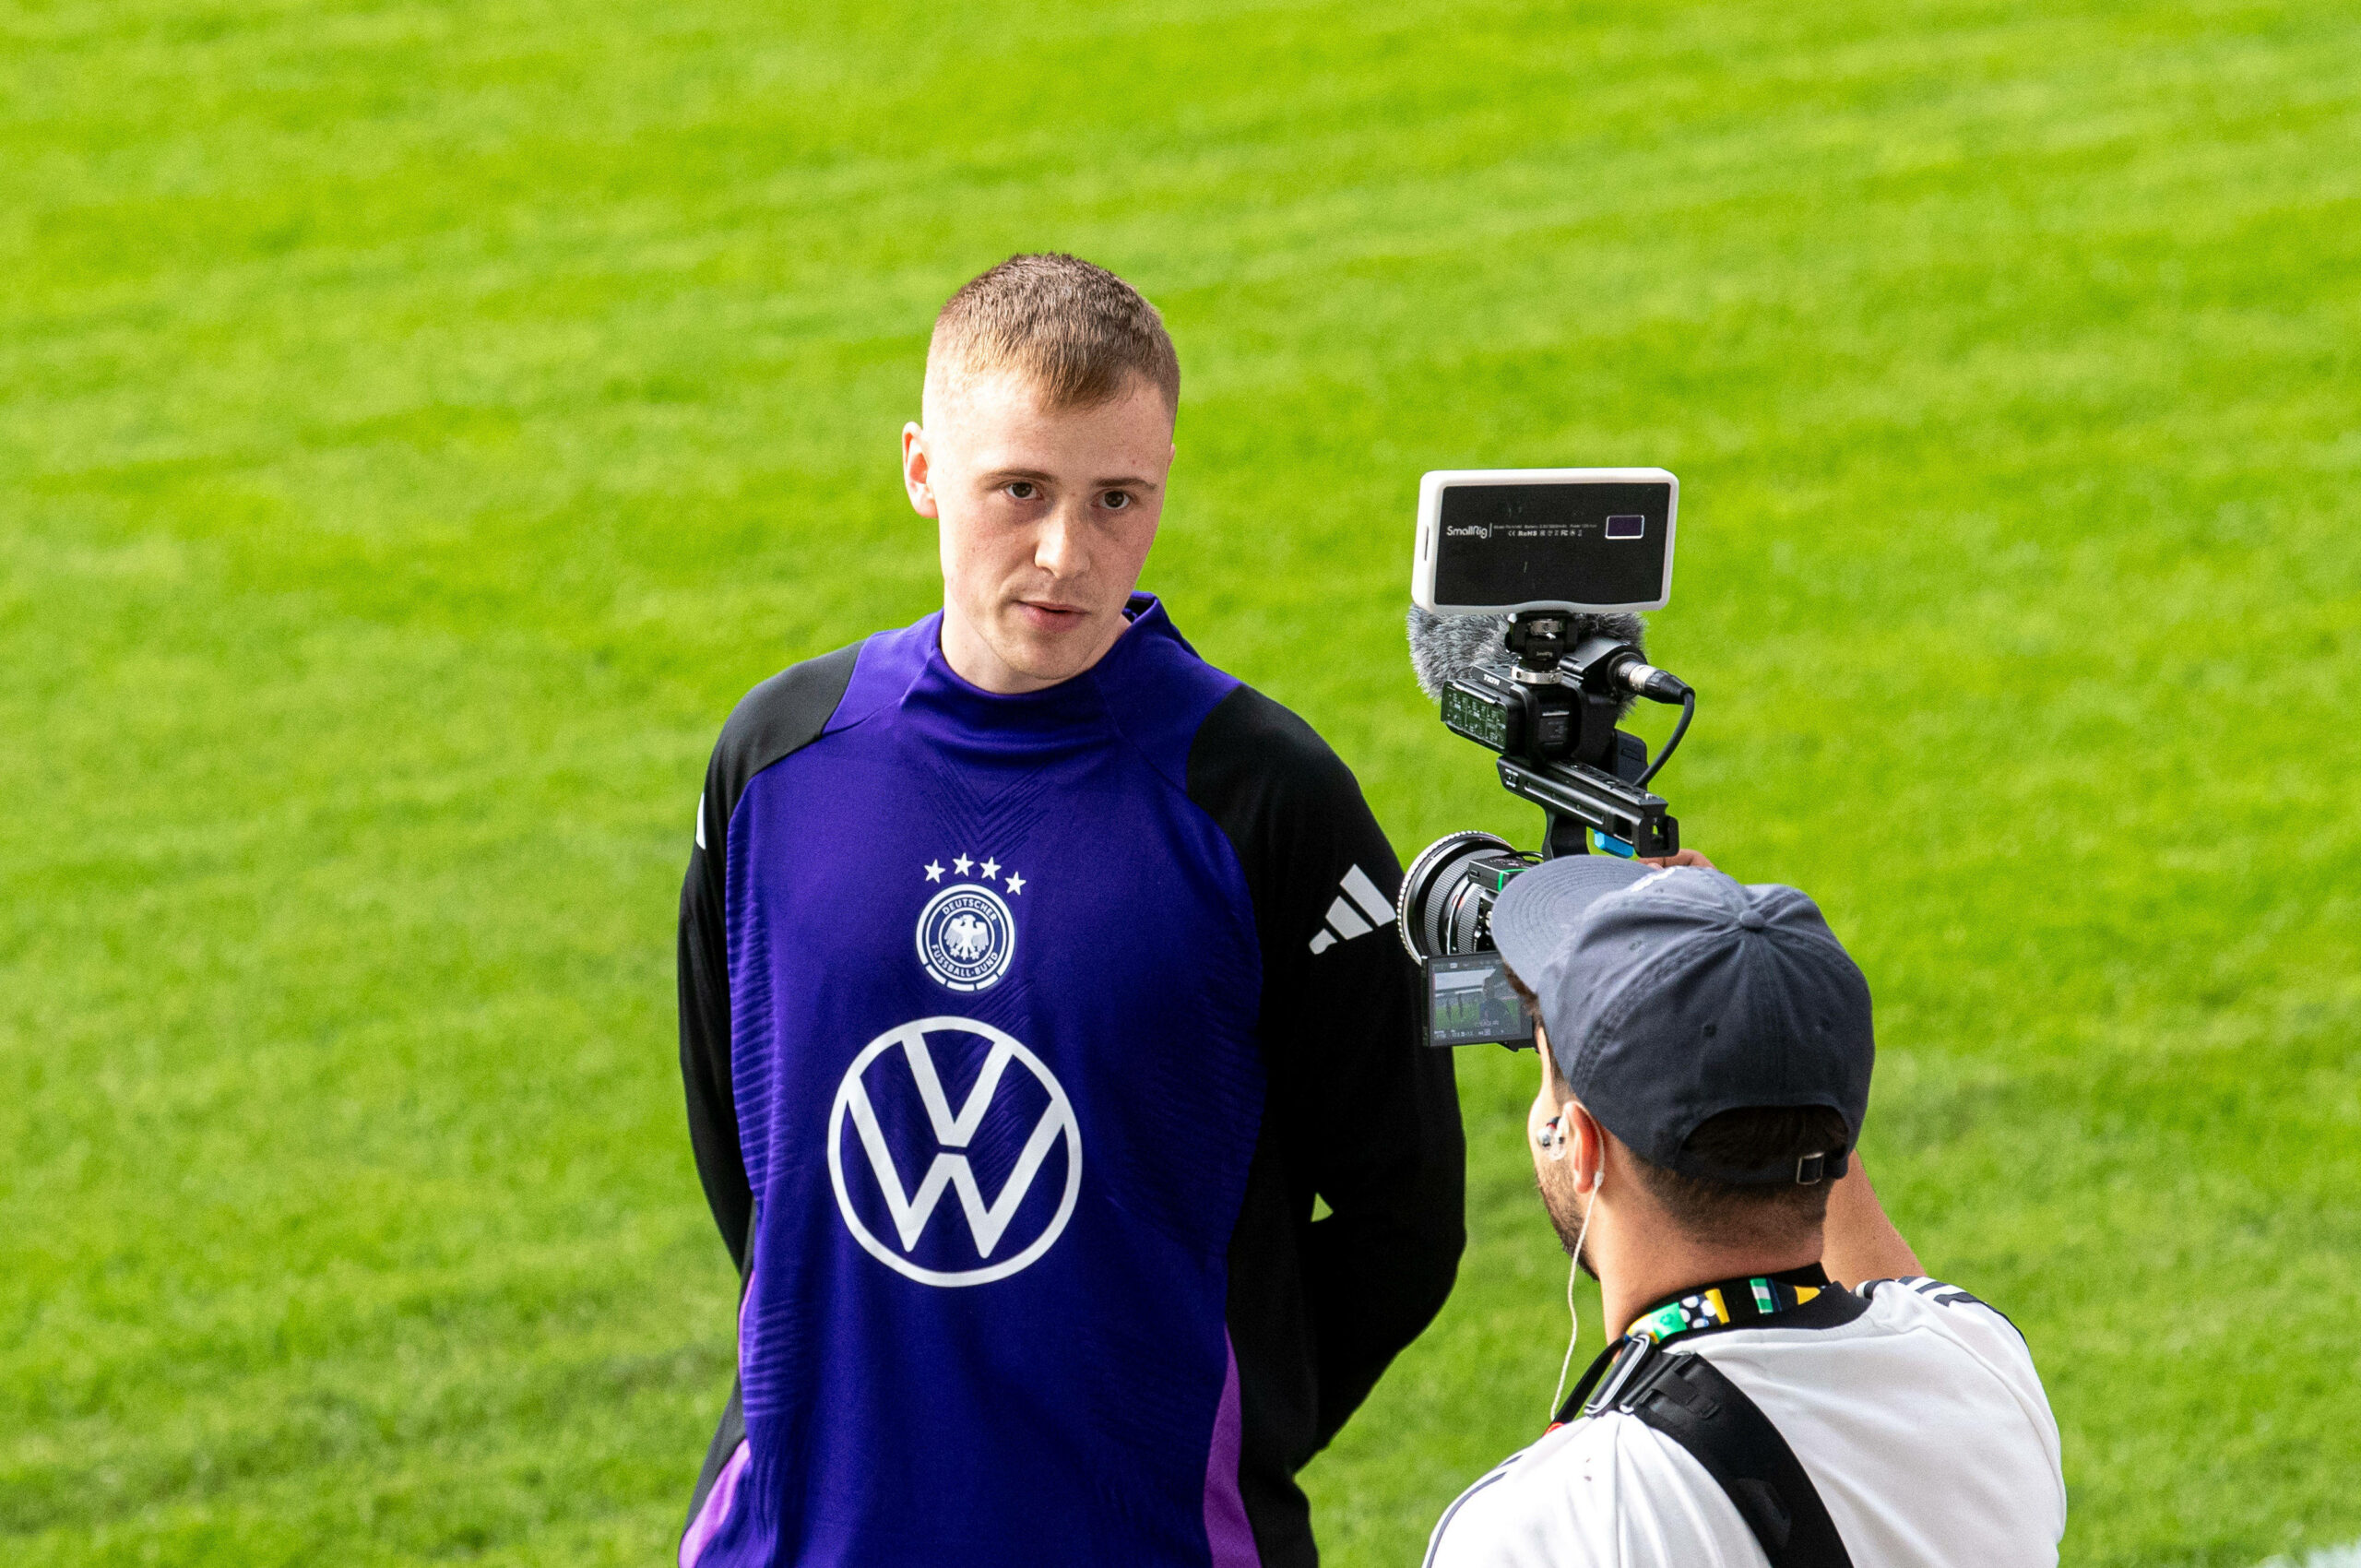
(1673, 996)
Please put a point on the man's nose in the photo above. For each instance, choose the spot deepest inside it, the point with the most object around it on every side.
(1061, 549)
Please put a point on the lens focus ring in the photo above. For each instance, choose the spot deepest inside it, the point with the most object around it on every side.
(1430, 915)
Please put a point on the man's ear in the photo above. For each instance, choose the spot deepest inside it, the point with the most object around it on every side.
(918, 472)
(1589, 1145)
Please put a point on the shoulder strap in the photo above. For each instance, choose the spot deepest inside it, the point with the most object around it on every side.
(1690, 1401)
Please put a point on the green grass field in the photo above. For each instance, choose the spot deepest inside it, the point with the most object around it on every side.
(420, 423)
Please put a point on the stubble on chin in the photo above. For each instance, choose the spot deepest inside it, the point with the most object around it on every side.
(1047, 656)
(1564, 1208)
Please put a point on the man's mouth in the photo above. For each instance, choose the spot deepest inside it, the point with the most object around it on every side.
(1050, 615)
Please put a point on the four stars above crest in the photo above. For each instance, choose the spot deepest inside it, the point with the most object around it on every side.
(964, 865)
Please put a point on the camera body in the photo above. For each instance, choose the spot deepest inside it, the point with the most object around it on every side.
(1558, 560)
(1559, 744)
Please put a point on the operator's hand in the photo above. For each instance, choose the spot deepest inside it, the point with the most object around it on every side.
(1683, 857)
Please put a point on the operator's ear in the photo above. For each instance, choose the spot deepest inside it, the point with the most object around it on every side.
(1589, 1143)
(918, 472)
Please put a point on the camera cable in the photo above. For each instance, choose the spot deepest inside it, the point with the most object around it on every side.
(1688, 712)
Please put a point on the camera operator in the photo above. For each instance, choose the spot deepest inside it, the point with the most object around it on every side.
(1782, 1386)
(1019, 951)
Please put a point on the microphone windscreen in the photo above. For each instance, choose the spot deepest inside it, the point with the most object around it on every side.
(1443, 648)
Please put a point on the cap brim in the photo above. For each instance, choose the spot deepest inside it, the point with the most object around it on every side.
(1537, 913)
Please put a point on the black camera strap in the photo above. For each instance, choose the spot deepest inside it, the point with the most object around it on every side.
(1692, 1402)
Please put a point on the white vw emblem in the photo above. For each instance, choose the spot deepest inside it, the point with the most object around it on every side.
(966, 937)
(954, 1136)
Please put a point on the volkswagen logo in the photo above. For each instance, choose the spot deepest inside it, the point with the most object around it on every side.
(893, 1116)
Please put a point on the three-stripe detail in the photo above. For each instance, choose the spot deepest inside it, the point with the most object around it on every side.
(1359, 909)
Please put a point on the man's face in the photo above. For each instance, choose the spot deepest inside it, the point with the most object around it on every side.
(1046, 517)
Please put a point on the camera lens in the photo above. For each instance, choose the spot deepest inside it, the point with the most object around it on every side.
(1441, 912)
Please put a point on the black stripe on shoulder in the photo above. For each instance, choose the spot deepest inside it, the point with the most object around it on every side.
(780, 717)
(1952, 1296)
(1942, 1294)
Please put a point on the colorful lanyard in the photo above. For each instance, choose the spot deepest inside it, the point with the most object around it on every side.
(1729, 1304)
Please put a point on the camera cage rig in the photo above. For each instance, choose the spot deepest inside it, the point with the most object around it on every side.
(1551, 710)
(1552, 715)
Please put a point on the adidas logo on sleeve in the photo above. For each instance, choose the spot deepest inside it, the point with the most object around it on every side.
(1345, 917)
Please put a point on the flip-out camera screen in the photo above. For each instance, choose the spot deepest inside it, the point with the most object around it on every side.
(1504, 540)
(1469, 1003)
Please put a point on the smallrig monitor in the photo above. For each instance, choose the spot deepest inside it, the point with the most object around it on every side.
(1493, 541)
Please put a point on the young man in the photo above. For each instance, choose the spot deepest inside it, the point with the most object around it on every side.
(1020, 951)
(1782, 1385)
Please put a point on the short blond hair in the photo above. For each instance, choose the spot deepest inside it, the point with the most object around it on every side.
(1075, 330)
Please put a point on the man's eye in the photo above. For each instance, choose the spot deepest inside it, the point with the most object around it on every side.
(1023, 490)
(1116, 500)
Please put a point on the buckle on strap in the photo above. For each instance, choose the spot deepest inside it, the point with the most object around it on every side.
(1637, 1352)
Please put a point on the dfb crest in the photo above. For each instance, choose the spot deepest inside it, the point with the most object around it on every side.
(966, 937)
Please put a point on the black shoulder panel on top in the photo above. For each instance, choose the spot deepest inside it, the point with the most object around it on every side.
(780, 717)
(1317, 1310)
(1251, 748)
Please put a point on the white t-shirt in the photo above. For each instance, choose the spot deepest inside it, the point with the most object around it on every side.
(1921, 1422)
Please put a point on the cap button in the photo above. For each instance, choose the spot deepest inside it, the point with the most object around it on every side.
(1752, 919)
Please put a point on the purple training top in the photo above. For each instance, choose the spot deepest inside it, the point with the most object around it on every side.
(1003, 1019)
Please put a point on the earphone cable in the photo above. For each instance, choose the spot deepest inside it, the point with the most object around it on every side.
(1575, 1335)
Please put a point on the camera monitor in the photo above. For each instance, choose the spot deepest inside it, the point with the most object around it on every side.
(1495, 540)
(1470, 1001)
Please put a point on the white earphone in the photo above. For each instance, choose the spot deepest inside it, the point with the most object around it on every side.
(1556, 1146)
